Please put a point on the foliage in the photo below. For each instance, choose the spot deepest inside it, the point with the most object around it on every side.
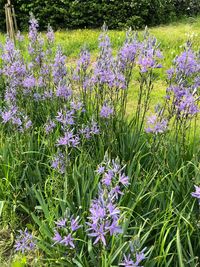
(68, 14)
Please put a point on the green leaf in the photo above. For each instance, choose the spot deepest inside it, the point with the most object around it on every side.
(1, 207)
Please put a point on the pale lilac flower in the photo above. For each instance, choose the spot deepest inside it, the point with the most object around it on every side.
(58, 162)
(99, 234)
(65, 117)
(128, 262)
(19, 36)
(74, 223)
(63, 91)
(33, 33)
(69, 139)
(24, 241)
(107, 177)
(61, 223)
(68, 241)
(124, 179)
(50, 126)
(156, 125)
(57, 238)
(100, 170)
(196, 194)
(50, 34)
(106, 111)
(9, 114)
(29, 82)
(76, 105)
(28, 124)
(114, 228)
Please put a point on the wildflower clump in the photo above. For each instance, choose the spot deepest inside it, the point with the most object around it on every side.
(104, 218)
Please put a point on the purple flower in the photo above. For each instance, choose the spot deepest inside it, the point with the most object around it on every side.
(74, 224)
(114, 228)
(156, 125)
(19, 37)
(63, 91)
(28, 124)
(29, 82)
(170, 73)
(124, 179)
(24, 241)
(69, 139)
(128, 53)
(99, 233)
(106, 111)
(61, 223)
(59, 67)
(59, 163)
(33, 33)
(76, 105)
(116, 191)
(94, 128)
(187, 63)
(86, 132)
(49, 127)
(50, 34)
(57, 238)
(107, 178)
(65, 117)
(128, 262)
(9, 114)
(196, 194)
(83, 61)
(68, 241)
(100, 170)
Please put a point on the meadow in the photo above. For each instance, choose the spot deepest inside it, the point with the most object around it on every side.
(99, 147)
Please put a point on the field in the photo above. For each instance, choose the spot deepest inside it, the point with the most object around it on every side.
(99, 147)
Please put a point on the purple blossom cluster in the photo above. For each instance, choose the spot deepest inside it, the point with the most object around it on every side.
(129, 262)
(106, 111)
(182, 95)
(59, 162)
(107, 79)
(69, 139)
(149, 56)
(104, 219)
(16, 119)
(65, 232)
(128, 52)
(72, 132)
(156, 125)
(89, 130)
(43, 83)
(25, 242)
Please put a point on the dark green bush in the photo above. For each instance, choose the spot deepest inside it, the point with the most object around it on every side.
(93, 13)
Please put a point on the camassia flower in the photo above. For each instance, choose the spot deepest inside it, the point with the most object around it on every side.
(104, 218)
(156, 125)
(65, 232)
(25, 241)
(128, 262)
(196, 194)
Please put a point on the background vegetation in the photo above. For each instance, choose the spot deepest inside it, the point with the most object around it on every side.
(71, 14)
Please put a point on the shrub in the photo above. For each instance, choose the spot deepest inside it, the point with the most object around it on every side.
(92, 13)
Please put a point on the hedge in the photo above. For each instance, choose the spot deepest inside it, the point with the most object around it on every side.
(73, 14)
